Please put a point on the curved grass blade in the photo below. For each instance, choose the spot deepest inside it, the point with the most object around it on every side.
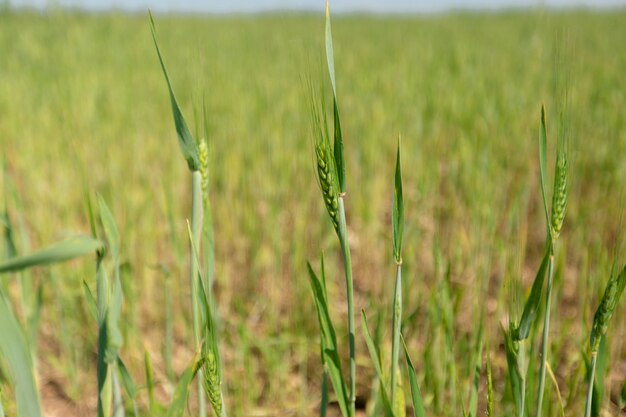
(188, 145)
(327, 331)
(371, 347)
(127, 380)
(129, 384)
(338, 141)
(416, 395)
(558, 391)
(62, 251)
(532, 304)
(17, 359)
(330, 60)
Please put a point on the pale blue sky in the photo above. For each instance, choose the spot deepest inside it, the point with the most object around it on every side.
(237, 6)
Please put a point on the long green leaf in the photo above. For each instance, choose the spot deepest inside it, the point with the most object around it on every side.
(371, 347)
(58, 252)
(416, 395)
(127, 380)
(543, 139)
(338, 139)
(532, 304)
(330, 60)
(188, 145)
(397, 218)
(556, 387)
(15, 354)
(331, 355)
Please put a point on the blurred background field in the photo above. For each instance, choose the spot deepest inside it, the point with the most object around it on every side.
(83, 106)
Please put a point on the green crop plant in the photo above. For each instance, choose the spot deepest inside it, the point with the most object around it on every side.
(331, 175)
(614, 289)
(86, 89)
(189, 149)
(197, 156)
(555, 223)
(391, 394)
(518, 332)
(14, 349)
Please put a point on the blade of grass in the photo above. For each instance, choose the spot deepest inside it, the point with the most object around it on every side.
(534, 299)
(17, 358)
(62, 251)
(129, 384)
(338, 139)
(188, 145)
(558, 391)
(327, 331)
(416, 395)
(371, 347)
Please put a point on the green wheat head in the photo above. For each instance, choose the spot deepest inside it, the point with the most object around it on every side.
(612, 294)
(325, 164)
(203, 151)
(559, 194)
(212, 382)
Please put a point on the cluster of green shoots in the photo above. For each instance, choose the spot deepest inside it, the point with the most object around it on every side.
(118, 392)
(331, 176)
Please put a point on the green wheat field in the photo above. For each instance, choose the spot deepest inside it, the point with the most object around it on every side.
(136, 321)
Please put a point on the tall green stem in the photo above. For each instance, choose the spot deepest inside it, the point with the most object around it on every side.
(196, 232)
(347, 263)
(594, 357)
(397, 322)
(546, 331)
